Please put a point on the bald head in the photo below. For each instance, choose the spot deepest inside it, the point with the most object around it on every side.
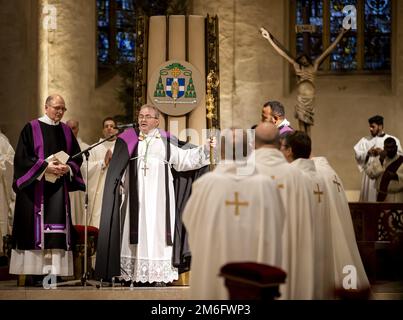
(267, 135)
(54, 99)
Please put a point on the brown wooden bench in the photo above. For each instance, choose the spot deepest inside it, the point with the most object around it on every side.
(379, 233)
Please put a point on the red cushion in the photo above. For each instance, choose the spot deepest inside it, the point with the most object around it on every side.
(252, 271)
(91, 232)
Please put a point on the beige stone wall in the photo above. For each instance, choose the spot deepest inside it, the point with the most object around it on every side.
(69, 64)
(36, 62)
(18, 56)
(252, 73)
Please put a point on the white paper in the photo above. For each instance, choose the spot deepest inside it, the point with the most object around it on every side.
(61, 157)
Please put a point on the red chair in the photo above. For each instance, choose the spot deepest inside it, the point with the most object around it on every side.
(78, 252)
(252, 281)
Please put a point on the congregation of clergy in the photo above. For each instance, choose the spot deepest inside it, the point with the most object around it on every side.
(160, 213)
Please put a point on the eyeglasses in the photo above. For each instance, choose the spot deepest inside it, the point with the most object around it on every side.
(147, 117)
(58, 109)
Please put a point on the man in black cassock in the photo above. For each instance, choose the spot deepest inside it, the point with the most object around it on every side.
(42, 229)
(141, 236)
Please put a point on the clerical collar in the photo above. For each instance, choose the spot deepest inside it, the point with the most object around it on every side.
(283, 123)
(47, 120)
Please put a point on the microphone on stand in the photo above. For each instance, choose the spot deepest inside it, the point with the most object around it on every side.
(125, 126)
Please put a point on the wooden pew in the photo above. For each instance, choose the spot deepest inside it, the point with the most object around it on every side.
(379, 233)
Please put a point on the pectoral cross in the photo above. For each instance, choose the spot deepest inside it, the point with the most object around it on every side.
(318, 192)
(236, 203)
(145, 168)
(337, 183)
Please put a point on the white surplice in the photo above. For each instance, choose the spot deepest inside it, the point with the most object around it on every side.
(77, 198)
(345, 249)
(7, 195)
(368, 189)
(298, 243)
(324, 266)
(219, 233)
(151, 259)
(96, 180)
(395, 187)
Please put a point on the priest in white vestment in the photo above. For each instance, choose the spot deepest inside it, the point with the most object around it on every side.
(387, 169)
(298, 242)
(7, 195)
(296, 148)
(345, 249)
(231, 217)
(366, 150)
(77, 198)
(98, 165)
(140, 223)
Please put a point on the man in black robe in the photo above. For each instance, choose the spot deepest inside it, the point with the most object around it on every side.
(42, 229)
(141, 236)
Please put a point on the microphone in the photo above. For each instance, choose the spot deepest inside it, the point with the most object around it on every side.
(125, 126)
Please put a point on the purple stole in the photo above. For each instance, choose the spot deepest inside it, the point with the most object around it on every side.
(39, 227)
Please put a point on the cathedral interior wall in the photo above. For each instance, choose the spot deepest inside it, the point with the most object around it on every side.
(252, 73)
(35, 63)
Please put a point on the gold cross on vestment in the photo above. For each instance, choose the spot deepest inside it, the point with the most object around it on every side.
(280, 185)
(236, 203)
(145, 168)
(337, 183)
(318, 192)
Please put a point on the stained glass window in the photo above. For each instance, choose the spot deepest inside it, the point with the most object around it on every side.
(344, 56)
(377, 16)
(310, 12)
(116, 36)
(367, 48)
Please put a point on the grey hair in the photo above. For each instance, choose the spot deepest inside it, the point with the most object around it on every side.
(152, 107)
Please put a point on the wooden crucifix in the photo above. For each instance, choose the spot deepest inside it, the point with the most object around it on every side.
(305, 70)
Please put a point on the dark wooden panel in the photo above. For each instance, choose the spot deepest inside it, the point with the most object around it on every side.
(379, 232)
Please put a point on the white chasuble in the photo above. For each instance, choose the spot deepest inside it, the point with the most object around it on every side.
(7, 195)
(96, 180)
(395, 187)
(298, 242)
(324, 264)
(345, 250)
(368, 190)
(231, 218)
(77, 198)
(151, 259)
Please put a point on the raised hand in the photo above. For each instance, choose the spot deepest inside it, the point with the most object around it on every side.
(265, 33)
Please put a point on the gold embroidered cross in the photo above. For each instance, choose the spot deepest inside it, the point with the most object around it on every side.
(280, 185)
(318, 192)
(236, 203)
(337, 183)
(145, 168)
